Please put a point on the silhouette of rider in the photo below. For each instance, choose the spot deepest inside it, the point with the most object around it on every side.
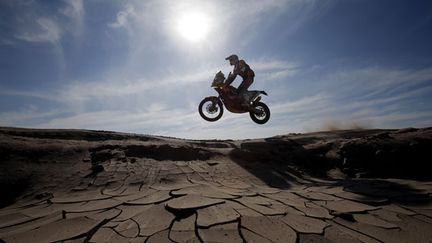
(240, 68)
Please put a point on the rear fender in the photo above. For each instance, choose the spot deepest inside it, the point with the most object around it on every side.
(256, 95)
(257, 99)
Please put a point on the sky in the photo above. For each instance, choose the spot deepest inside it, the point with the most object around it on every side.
(144, 66)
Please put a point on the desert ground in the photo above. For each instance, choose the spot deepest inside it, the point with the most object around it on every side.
(101, 186)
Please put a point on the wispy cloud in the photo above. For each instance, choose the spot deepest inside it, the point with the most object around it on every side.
(43, 30)
(304, 104)
(307, 112)
(26, 93)
(120, 86)
(144, 122)
(34, 25)
(273, 69)
(157, 79)
(376, 80)
(74, 10)
(27, 117)
(254, 12)
(123, 17)
(33, 22)
(230, 21)
(401, 119)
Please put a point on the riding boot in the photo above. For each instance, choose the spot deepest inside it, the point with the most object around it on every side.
(245, 101)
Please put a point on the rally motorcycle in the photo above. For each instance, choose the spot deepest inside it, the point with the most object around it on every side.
(211, 108)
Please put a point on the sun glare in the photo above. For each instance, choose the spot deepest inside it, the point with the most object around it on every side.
(193, 26)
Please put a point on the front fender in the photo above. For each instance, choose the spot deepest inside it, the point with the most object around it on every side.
(212, 98)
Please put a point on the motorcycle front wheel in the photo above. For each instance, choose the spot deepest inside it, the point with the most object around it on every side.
(210, 109)
(260, 113)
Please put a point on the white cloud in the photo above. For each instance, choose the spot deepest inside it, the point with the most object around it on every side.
(26, 117)
(376, 80)
(304, 104)
(119, 87)
(126, 121)
(401, 119)
(254, 13)
(33, 94)
(143, 107)
(32, 24)
(278, 75)
(43, 30)
(74, 10)
(269, 64)
(123, 17)
(229, 21)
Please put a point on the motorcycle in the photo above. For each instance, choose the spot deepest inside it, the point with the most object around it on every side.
(211, 107)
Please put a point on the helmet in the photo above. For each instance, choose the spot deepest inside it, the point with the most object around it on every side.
(233, 57)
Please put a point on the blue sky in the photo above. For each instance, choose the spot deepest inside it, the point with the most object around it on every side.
(144, 66)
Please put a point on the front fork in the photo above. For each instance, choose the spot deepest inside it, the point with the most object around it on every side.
(214, 101)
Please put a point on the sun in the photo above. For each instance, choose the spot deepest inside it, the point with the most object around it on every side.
(193, 26)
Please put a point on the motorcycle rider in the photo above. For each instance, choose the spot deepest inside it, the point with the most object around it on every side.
(240, 68)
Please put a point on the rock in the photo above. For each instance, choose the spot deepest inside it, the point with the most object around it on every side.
(101, 156)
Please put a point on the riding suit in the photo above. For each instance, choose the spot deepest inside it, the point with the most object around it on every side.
(242, 68)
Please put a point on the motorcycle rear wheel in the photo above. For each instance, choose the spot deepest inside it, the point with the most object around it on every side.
(261, 117)
(210, 109)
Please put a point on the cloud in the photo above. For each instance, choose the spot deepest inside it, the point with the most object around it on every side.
(27, 117)
(304, 104)
(402, 119)
(43, 30)
(120, 86)
(34, 22)
(74, 10)
(168, 106)
(253, 16)
(145, 122)
(32, 94)
(273, 69)
(123, 17)
(254, 10)
(229, 21)
(378, 79)
(362, 97)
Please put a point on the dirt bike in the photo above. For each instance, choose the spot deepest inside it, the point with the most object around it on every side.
(211, 107)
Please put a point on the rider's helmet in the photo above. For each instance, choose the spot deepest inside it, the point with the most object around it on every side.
(232, 59)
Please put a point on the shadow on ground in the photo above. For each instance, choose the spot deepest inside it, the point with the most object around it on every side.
(369, 162)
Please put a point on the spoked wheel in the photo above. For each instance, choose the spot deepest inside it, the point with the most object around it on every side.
(260, 113)
(210, 109)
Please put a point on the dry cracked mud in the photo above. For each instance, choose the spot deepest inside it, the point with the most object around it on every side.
(97, 186)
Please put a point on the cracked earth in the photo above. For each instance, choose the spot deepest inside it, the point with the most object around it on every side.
(89, 186)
